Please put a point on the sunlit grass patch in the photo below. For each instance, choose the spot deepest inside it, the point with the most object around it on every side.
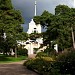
(4, 58)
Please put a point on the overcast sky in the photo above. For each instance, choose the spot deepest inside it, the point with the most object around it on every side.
(27, 7)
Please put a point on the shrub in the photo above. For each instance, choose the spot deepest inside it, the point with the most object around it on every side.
(22, 52)
(63, 65)
(50, 52)
(41, 54)
(48, 59)
(42, 66)
(67, 62)
(29, 64)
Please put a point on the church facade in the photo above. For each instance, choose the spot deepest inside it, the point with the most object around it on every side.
(31, 44)
(33, 28)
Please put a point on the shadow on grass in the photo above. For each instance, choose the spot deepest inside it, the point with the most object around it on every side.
(4, 58)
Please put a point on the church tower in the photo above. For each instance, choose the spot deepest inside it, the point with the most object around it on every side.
(32, 25)
(33, 28)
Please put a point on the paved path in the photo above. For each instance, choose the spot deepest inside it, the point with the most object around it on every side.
(15, 68)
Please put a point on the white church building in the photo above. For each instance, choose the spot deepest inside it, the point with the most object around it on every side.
(33, 27)
(31, 44)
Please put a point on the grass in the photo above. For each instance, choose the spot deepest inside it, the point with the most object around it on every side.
(7, 59)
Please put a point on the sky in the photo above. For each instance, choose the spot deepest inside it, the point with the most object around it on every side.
(27, 8)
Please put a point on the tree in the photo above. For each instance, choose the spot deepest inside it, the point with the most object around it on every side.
(34, 36)
(10, 23)
(69, 14)
(58, 26)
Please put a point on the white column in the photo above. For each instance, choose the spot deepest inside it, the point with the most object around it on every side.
(35, 8)
(31, 48)
(28, 49)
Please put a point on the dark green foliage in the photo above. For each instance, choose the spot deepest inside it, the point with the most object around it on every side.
(22, 36)
(67, 62)
(62, 9)
(35, 35)
(43, 18)
(41, 54)
(50, 52)
(58, 26)
(37, 20)
(63, 65)
(22, 52)
(5, 5)
(10, 23)
(42, 67)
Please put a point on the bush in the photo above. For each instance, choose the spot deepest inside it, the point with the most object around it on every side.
(41, 54)
(63, 65)
(23, 52)
(29, 64)
(50, 52)
(67, 62)
(42, 66)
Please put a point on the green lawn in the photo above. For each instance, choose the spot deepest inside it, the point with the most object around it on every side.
(7, 59)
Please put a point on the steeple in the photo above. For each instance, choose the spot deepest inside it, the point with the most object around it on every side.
(32, 25)
(74, 3)
(35, 8)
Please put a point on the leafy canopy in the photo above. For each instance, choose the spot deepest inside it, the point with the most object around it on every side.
(10, 23)
(58, 26)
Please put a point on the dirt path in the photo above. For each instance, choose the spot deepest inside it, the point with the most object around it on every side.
(15, 68)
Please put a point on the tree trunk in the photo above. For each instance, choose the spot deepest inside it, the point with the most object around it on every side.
(15, 52)
(73, 38)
